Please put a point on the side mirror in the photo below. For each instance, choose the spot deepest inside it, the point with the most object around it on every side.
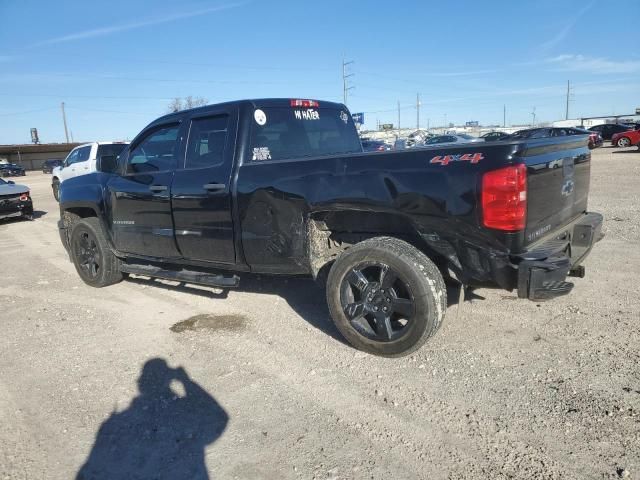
(107, 164)
(11, 182)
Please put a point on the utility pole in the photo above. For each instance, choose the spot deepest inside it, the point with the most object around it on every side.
(345, 83)
(504, 116)
(64, 120)
(533, 114)
(418, 111)
(398, 118)
(566, 115)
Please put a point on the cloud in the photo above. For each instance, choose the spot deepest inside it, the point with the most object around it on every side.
(581, 63)
(561, 35)
(99, 32)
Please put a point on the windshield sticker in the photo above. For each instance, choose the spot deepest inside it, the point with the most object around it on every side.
(344, 117)
(467, 157)
(261, 153)
(260, 117)
(307, 114)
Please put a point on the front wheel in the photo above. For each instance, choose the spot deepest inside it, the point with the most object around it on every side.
(386, 297)
(623, 142)
(94, 261)
(55, 186)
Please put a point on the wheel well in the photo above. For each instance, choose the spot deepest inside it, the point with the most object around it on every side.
(330, 233)
(80, 212)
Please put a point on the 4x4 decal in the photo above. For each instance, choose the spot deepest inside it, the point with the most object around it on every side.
(467, 157)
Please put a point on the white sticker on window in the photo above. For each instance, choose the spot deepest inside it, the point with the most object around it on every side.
(344, 117)
(307, 114)
(261, 153)
(260, 117)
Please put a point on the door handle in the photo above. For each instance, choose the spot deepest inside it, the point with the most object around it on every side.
(158, 188)
(212, 187)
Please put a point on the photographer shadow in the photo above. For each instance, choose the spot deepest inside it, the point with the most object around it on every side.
(162, 435)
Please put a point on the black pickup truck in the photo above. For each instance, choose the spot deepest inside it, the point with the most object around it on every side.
(283, 187)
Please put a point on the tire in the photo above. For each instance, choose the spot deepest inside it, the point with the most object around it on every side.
(623, 142)
(361, 284)
(94, 261)
(55, 186)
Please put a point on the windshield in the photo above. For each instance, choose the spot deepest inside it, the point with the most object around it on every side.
(283, 133)
(465, 136)
(2, 182)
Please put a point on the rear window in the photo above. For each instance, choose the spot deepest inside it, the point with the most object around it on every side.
(110, 149)
(285, 133)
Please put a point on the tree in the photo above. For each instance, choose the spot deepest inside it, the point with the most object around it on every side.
(178, 103)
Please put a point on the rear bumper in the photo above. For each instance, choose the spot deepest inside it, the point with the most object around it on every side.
(542, 272)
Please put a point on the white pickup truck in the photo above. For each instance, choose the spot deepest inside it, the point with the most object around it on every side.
(82, 160)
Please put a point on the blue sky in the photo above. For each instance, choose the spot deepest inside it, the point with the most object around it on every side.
(117, 64)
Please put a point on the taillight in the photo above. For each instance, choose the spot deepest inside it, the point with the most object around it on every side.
(24, 197)
(304, 103)
(504, 198)
(381, 148)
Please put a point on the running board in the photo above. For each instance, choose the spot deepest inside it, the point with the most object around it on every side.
(187, 276)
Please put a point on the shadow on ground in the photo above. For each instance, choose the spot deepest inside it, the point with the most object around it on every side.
(162, 435)
(304, 295)
(635, 150)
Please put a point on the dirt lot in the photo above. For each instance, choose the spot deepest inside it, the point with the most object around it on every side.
(506, 389)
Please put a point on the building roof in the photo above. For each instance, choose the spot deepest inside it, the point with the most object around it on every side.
(38, 148)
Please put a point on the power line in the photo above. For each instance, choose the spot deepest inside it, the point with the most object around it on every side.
(11, 114)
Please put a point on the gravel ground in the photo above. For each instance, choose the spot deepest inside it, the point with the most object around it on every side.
(90, 379)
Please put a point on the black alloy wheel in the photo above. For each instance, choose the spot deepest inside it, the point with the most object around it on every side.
(377, 301)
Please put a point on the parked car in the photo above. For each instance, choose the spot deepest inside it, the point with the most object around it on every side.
(400, 144)
(82, 160)
(49, 165)
(494, 136)
(626, 139)
(595, 139)
(11, 170)
(283, 187)
(608, 130)
(374, 145)
(448, 139)
(15, 200)
(544, 132)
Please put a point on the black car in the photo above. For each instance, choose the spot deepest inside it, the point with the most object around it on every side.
(494, 136)
(608, 130)
(11, 170)
(282, 186)
(15, 200)
(49, 165)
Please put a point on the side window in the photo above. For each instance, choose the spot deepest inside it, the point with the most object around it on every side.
(83, 154)
(207, 142)
(71, 158)
(156, 152)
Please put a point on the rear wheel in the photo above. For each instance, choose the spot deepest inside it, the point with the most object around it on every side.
(386, 297)
(624, 142)
(55, 186)
(94, 261)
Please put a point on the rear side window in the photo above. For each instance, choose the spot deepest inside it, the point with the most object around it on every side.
(156, 152)
(207, 142)
(286, 133)
(110, 149)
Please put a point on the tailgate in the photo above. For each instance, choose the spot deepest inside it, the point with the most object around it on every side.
(557, 183)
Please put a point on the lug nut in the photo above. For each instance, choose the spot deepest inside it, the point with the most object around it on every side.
(384, 309)
(375, 309)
